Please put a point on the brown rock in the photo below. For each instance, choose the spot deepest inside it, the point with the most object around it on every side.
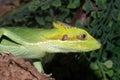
(12, 68)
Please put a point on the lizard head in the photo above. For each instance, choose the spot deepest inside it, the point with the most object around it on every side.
(71, 39)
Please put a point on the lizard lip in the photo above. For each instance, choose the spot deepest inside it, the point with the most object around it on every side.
(98, 45)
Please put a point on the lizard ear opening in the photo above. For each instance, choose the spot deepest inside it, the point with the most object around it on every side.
(60, 25)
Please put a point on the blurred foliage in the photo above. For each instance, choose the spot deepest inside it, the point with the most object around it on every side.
(106, 28)
(102, 21)
(39, 13)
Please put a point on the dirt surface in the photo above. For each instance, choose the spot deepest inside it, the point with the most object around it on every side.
(12, 68)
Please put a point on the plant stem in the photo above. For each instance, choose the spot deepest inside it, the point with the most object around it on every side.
(102, 71)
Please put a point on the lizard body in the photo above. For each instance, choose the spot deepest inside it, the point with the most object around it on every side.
(35, 43)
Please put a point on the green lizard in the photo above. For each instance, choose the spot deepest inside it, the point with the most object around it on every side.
(32, 43)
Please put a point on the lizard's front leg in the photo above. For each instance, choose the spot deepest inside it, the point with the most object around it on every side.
(11, 36)
(38, 65)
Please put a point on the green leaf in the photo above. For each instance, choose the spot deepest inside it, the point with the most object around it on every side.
(110, 73)
(78, 24)
(56, 3)
(68, 20)
(94, 66)
(32, 7)
(101, 3)
(110, 46)
(48, 18)
(63, 14)
(40, 20)
(117, 3)
(115, 14)
(98, 73)
(73, 4)
(45, 6)
(119, 16)
(93, 14)
(118, 71)
(99, 32)
(118, 42)
(108, 64)
(110, 23)
(87, 6)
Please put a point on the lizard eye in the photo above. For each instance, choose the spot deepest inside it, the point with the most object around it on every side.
(64, 37)
(81, 37)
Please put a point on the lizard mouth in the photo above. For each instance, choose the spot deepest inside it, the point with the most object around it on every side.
(74, 46)
(68, 46)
